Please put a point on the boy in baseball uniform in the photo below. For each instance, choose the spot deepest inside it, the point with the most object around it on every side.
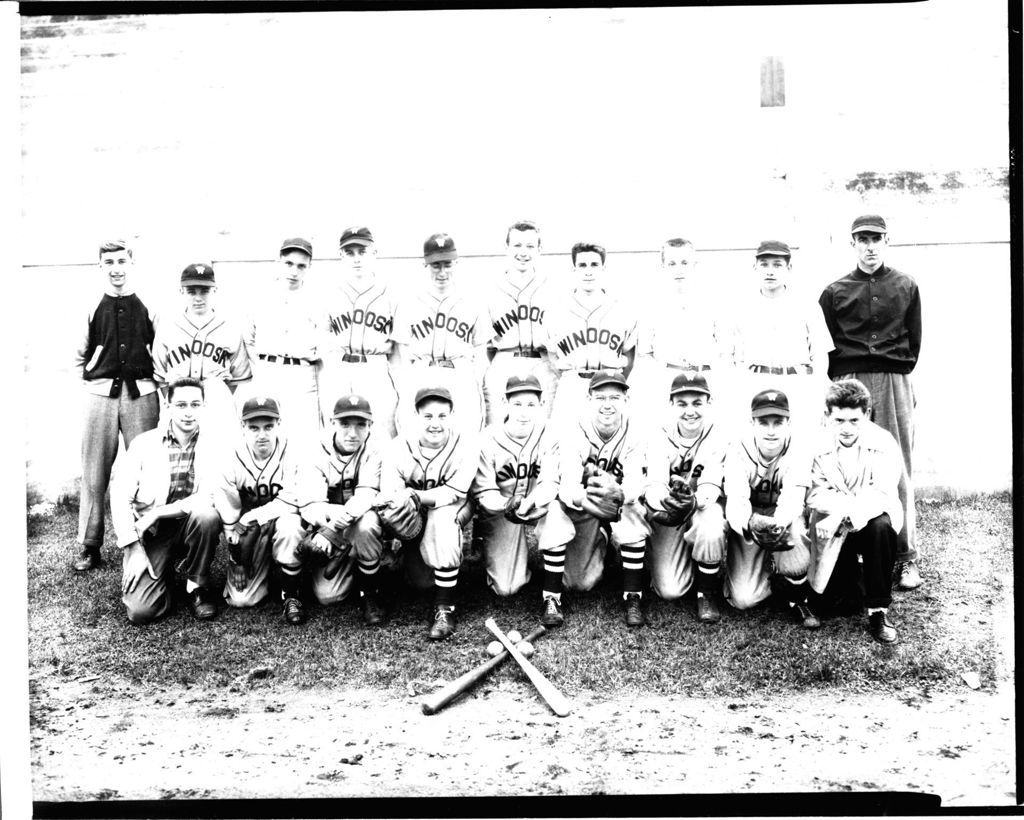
(517, 306)
(690, 450)
(202, 344)
(162, 507)
(855, 508)
(431, 471)
(441, 332)
(258, 498)
(346, 529)
(588, 330)
(515, 482)
(599, 485)
(358, 350)
(121, 397)
(766, 481)
(874, 316)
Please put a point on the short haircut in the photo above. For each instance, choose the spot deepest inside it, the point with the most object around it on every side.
(522, 225)
(849, 394)
(186, 381)
(114, 245)
(675, 242)
(427, 399)
(587, 247)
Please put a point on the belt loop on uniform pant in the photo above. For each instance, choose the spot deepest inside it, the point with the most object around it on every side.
(353, 357)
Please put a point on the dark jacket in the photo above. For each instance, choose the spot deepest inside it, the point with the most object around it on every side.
(123, 328)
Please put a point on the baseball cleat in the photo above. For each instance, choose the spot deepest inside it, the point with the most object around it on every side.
(634, 615)
(707, 610)
(444, 623)
(294, 612)
(372, 612)
(202, 604)
(907, 576)
(552, 613)
(802, 614)
(88, 558)
(881, 629)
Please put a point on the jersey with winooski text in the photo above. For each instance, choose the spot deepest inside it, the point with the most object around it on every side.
(274, 487)
(621, 455)
(699, 461)
(513, 468)
(591, 337)
(339, 475)
(441, 327)
(359, 321)
(517, 313)
(764, 479)
(453, 466)
(210, 349)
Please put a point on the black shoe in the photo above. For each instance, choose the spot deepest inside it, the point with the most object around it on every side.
(444, 623)
(372, 612)
(552, 614)
(202, 602)
(802, 615)
(881, 630)
(88, 558)
(907, 576)
(294, 612)
(634, 615)
(707, 610)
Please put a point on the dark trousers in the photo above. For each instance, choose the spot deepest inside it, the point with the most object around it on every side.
(871, 581)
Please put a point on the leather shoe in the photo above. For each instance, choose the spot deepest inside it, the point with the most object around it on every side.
(203, 607)
(707, 610)
(444, 623)
(372, 612)
(907, 576)
(802, 614)
(552, 615)
(881, 630)
(634, 615)
(88, 558)
(294, 612)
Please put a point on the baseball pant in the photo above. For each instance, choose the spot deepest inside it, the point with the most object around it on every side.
(674, 551)
(193, 541)
(278, 539)
(506, 552)
(461, 380)
(371, 379)
(748, 567)
(863, 569)
(367, 547)
(570, 402)
(296, 389)
(893, 403)
(104, 418)
(506, 364)
(437, 547)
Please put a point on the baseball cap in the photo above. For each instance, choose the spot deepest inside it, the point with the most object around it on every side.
(356, 235)
(523, 384)
(425, 393)
(868, 223)
(769, 403)
(297, 244)
(689, 381)
(198, 274)
(259, 406)
(352, 405)
(773, 247)
(438, 248)
(605, 377)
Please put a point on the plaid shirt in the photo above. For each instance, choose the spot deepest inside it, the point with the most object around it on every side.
(182, 461)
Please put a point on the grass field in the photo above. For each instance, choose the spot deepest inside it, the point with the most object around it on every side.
(77, 626)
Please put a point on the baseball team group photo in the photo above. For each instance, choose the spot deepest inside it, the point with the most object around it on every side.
(404, 467)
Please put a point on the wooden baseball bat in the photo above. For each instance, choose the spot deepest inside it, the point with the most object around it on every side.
(555, 699)
(436, 701)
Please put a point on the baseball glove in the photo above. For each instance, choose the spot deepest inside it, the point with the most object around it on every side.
(404, 517)
(241, 554)
(678, 505)
(312, 554)
(767, 534)
(512, 511)
(603, 493)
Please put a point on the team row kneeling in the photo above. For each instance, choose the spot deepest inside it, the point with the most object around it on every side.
(699, 511)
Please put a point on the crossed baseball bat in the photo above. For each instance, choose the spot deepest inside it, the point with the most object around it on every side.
(545, 688)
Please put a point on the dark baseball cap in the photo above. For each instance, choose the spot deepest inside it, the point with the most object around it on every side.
(523, 384)
(773, 247)
(425, 393)
(439, 248)
(297, 244)
(689, 381)
(356, 235)
(198, 274)
(352, 405)
(260, 406)
(605, 377)
(769, 403)
(868, 223)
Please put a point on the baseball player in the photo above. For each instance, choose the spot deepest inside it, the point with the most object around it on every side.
(683, 494)
(121, 397)
(259, 497)
(346, 528)
(202, 344)
(766, 483)
(441, 334)
(780, 341)
(285, 335)
(517, 305)
(855, 508)
(599, 485)
(161, 503)
(515, 482)
(429, 473)
(589, 330)
(359, 325)
(874, 316)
